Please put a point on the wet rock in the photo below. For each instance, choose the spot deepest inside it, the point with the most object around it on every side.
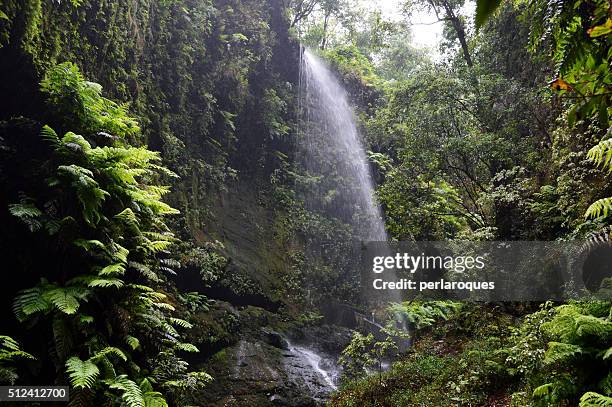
(258, 374)
(275, 339)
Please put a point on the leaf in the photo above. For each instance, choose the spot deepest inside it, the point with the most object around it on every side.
(30, 301)
(106, 282)
(131, 393)
(181, 322)
(592, 399)
(83, 374)
(112, 269)
(3, 15)
(542, 390)
(132, 342)
(484, 9)
(109, 350)
(559, 84)
(599, 208)
(187, 347)
(63, 299)
(600, 30)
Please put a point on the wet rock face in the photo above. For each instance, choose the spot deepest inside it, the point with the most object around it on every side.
(257, 374)
(265, 360)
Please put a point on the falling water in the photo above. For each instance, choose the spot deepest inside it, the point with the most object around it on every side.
(334, 154)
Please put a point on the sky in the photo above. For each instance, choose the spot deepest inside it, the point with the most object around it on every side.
(426, 32)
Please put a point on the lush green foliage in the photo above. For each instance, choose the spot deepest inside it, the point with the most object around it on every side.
(99, 200)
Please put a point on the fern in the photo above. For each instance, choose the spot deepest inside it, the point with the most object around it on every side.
(82, 374)
(181, 322)
(543, 390)
(112, 269)
(591, 399)
(601, 154)
(107, 201)
(48, 134)
(63, 299)
(130, 391)
(10, 353)
(29, 302)
(132, 342)
(87, 190)
(187, 347)
(599, 208)
(28, 213)
(561, 352)
(106, 283)
(61, 338)
(109, 350)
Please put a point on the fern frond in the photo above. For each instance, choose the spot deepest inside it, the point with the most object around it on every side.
(89, 245)
(128, 216)
(50, 136)
(181, 322)
(105, 283)
(87, 190)
(81, 398)
(82, 374)
(543, 390)
(30, 301)
(28, 213)
(75, 142)
(132, 342)
(187, 347)
(601, 154)
(63, 299)
(112, 269)
(561, 352)
(10, 350)
(131, 393)
(592, 399)
(144, 271)
(62, 338)
(599, 208)
(109, 350)
(119, 252)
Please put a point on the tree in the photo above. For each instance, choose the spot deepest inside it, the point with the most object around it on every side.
(449, 12)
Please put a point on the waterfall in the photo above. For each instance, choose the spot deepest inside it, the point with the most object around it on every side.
(333, 153)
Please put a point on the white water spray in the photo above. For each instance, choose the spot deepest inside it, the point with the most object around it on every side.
(334, 153)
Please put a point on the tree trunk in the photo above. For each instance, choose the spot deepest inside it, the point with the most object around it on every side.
(325, 23)
(458, 26)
